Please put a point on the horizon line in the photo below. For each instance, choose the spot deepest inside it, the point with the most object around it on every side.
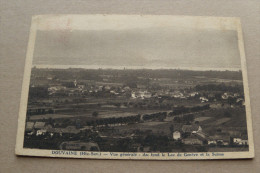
(105, 67)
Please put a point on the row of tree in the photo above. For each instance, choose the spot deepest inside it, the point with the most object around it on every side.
(183, 109)
(219, 87)
(114, 120)
(155, 116)
(39, 111)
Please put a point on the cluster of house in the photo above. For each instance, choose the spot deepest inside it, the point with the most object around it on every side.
(79, 89)
(53, 89)
(236, 96)
(193, 135)
(161, 93)
(178, 94)
(189, 134)
(224, 96)
(203, 99)
(41, 128)
(227, 95)
(141, 94)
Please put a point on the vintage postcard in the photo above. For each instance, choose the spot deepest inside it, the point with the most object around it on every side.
(154, 87)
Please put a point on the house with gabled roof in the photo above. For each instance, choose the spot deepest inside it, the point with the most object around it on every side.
(194, 128)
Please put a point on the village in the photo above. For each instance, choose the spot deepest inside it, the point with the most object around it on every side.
(99, 113)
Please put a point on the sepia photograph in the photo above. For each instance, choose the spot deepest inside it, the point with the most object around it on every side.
(154, 87)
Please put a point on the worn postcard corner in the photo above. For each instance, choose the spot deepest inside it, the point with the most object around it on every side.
(154, 87)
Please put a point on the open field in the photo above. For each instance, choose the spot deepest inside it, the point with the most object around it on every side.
(155, 127)
(222, 121)
(47, 116)
(201, 119)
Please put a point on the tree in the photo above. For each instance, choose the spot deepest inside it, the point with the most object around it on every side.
(189, 118)
(38, 92)
(171, 128)
(227, 114)
(51, 121)
(95, 114)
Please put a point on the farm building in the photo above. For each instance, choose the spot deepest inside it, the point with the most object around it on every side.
(194, 128)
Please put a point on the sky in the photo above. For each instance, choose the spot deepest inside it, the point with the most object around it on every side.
(165, 47)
